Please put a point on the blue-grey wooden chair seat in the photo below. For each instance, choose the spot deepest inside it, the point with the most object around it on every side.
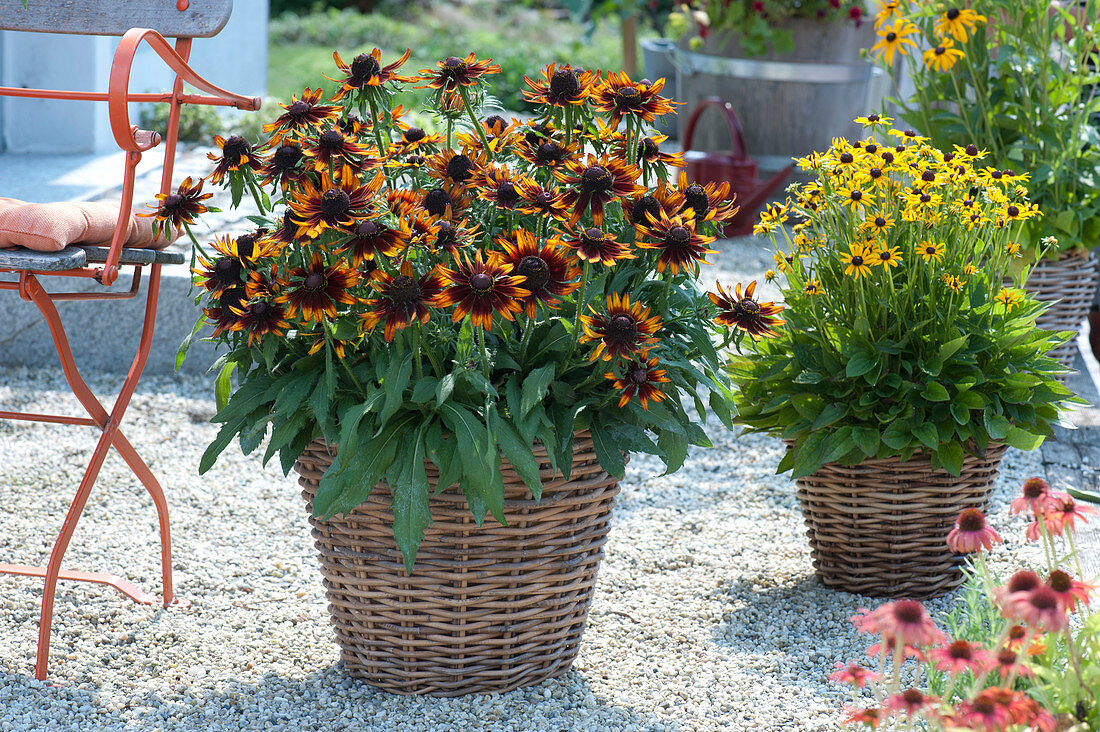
(74, 257)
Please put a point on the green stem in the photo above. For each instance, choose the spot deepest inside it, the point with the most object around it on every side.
(581, 302)
(382, 148)
(484, 351)
(478, 127)
(256, 195)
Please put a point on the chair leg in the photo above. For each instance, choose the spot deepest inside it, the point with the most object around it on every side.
(111, 436)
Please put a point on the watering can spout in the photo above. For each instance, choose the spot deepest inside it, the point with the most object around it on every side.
(755, 200)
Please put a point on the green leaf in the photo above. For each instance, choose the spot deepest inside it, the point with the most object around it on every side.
(997, 426)
(951, 457)
(181, 354)
(342, 490)
(535, 387)
(411, 496)
(927, 434)
(860, 364)
(217, 447)
(223, 385)
(830, 414)
(424, 390)
(394, 383)
(935, 392)
(607, 452)
(675, 449)
(1022, 439)
(867, 439)
(519, 455)
(443, 391)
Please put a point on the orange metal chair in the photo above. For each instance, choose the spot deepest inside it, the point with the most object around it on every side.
(183, 20)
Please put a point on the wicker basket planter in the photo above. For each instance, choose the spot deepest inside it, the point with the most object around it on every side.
(486, 609)
(880, 528)
(1068, 282)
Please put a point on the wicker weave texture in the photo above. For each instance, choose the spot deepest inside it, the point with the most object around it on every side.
(880, 528)
(486, 609)
(1071, 281)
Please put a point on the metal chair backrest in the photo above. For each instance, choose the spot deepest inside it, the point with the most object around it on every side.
(170, 18)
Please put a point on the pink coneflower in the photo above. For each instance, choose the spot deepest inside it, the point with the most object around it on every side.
(903, 621)
(1021, 708)
(1023, 581)
(871, 717)
(962, 656)
(1063, 510)
(853, 674)
(1040, 608)
(1032, 497)
(985, 712)
(909, 701)
(1018, 635)
(1008, 664)
(1069, 590)
(972, 533)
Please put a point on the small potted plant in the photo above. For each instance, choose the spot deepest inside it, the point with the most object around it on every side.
(434, 327)
(791, 68)
(906, 365)
(1015, 78)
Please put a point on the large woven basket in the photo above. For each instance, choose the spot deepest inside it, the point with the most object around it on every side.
(1068, 282)
(486, 609)
(880, 528)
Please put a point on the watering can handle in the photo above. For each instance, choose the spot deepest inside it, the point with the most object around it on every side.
(736, 132)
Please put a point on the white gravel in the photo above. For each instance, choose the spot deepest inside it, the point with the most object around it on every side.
(707, 616)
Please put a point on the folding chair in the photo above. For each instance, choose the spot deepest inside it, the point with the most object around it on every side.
(183, 20)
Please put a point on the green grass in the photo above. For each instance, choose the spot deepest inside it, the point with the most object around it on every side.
(521, 40)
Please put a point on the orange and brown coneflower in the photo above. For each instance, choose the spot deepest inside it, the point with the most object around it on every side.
(548, 273)
(366, 70)
(560, 85)
(453, 72)
(596, 246)
(316, 290)
(400, 299)
(735, 310)
(333, 203)
(680, 245)
(595, 182)
(640, 378)
(179, 208)
(625, 330)
(618, 96)
(480, 289)
(300, 115)
(235, 153)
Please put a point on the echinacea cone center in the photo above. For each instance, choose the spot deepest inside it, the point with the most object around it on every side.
(287, 156)
(639, 375)
(548, 152)
(628, 97)
(1059, 581)
(748, 306)
(507, 194)
(971, 520)
(414, 134)
(314, 281)
(909, 612)
(564, 85)
(536, 272)
(679, 234)
(234, 149)
(367, 230)
(481, 283)
(299, 108)
(335, 202)
(621, 328)
(172, 200)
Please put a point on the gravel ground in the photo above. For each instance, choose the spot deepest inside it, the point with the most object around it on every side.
(706, 617)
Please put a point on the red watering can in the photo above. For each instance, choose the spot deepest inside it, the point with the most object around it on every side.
(737, 169)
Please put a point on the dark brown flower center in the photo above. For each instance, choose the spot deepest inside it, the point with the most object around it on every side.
(534, 136)
(535, 270)
(1005, 657)
(331, 139)
(364, 67)
(335, 202)
(299, 108)
(596, 179)
(246, 245)
(857, 195)
(909, 612)
(495, 123)
(549, 153)
(227, 269)
(460, 168)
(592, 236)
(233, 297)
(1023, 581)
(948, 157)
(925, 198)
(747, 306)
(414, 134)
(172, 201)
(846, 158)
(647, 149)
(234, 149)
(507, 195)
(1034, 489)
(891, 37)
(971, 520)
(367, 230)
(628, 98)
(260, 310)
(564, 84)
(1043, 598)
(453, 67)
(350, 124)
(1013, 211)
(404, 290)
(543, 198)
(481, 283)
(639, 375)
(286, 157)
(953, 13)
(621, 328)
(436, 201)
(871, 148)
(972, 150)
(960, 650)
(939, 50)
(1060, 581)
(887, 157)
(314, 281)
(645, 206)
(416, 160)
(880, 222)
(928, 176)
(857, 261)
(679, 235)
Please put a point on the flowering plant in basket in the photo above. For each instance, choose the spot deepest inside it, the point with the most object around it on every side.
(1018, 78)
(452, 296)
(1018, 654)
(758, 24)
(901, 337)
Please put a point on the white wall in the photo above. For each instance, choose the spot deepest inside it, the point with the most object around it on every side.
(235, 59)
